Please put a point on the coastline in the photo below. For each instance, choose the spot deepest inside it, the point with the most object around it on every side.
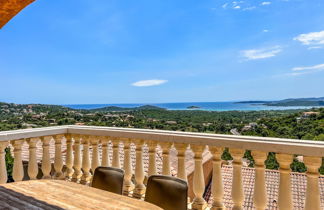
(203, 106)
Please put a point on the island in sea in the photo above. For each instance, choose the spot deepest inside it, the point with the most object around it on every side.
(193, 107)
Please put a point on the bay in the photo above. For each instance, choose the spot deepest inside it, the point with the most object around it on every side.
(206, 106)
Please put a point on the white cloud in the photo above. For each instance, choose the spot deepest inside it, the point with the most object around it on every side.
(265, 30)
(313, 39)
(261, 53)
(265, 3)
(305, 68)
(146, 83)
(236, 4)
(249, 8)
(301, 70)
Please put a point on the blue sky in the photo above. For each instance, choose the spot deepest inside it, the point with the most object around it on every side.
(151, 51)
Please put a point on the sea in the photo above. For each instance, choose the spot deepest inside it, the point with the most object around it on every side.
(206, 106)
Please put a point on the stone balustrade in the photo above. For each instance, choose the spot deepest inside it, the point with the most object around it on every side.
(87, 147)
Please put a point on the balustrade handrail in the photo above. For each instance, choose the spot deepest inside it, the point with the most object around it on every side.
(80, 164)
(266, 144)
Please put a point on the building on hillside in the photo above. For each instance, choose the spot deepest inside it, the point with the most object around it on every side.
(309, 114)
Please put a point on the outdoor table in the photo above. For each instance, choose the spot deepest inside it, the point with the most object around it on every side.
(59, 194)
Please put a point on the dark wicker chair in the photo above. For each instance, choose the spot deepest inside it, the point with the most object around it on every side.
(109, 179)
(167, 192)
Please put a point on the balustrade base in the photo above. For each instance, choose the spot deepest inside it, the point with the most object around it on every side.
(127, 189)
(199, 205)
(138, 193)
(59, 176)
(76, 180)
(84, 182)
(85, 179)
(47, 177)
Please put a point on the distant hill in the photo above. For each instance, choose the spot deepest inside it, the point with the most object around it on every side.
(149, 107)
(298, 102)
(120, 109)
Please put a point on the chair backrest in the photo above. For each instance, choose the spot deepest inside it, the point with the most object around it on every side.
(167, 192)
(109, 179)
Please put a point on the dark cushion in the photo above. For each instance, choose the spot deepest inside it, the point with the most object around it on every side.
(167, 192)
(109, 179)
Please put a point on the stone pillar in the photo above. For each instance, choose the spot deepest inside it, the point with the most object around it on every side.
(313, 201)
(58, 161)
(166, 146)
(139, 190)
(217, 181)
(198, 179)
(115, 160)
(86, 163)
(181, 148)
(18, 170)
(3, 169)
(128, 184)
(32, 163)
(105, 154)
(237, 184)
(69, 157)
(46, 160)
(95, 154)
(152, 158)
(284, 197)
(260, 193)
(77, 159)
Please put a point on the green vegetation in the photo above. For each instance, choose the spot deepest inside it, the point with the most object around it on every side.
(9, 164)
(294, 124)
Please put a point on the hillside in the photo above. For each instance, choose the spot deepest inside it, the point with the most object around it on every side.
(298, 102)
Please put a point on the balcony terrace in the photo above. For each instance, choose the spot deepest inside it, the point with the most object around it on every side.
(75, 151)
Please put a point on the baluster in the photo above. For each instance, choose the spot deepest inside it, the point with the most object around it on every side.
(139, 170)
(58, 161)
(152, 158)
(46, 161)
(105, 155)
(69, 157)
(3, 169)
(313, 201)
(217, 182)
(18, 170)
(86, 163)
(115, 160)
(181, 148)
(166, 146)
(237, 185)
(284, 197)
(77, 159)
(260, 193)
(32, 163)
(95, 154)
(128, 184)
(198, 178)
